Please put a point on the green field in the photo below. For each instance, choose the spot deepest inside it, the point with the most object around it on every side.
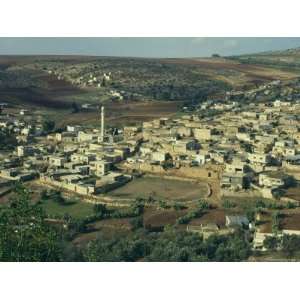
(76, 209)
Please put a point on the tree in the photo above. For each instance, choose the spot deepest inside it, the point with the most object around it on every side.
(228, 204)
(203, 204)
(100, 209)
(48, 125)
(75, 108)
(290, 244)
(276, 221)
(57, 197)
(271, 242)
(24, 233)
(178, 206)
(137, 222)
(250, 214)
(8, 140)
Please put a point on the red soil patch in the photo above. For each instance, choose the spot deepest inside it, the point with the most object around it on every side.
(216, 216)
(160, 218)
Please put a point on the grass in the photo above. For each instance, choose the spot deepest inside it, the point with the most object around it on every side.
(76, 209)
(161, 189)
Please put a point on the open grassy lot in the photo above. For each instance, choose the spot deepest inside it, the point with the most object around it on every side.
(76, 208)
(162, 189)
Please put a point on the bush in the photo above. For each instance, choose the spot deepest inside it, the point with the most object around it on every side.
(137, 222)
(291, 205)
(189, 216)
(290, 244)
(178, 206)
(162, 204)
(276, 216)
(100, 209)
(169, 245)
(271, 242)
(57, 197)
(204, 204)
(228, 204)
(250, 214)
(260, 204)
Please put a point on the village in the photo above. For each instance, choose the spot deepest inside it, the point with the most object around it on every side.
(240, 151)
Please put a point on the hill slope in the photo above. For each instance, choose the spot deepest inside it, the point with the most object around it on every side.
(58, 81)
(288, 60)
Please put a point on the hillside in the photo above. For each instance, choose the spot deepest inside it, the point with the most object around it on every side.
(94, 79)
(56, 82)
(235, 72)
(288, 60)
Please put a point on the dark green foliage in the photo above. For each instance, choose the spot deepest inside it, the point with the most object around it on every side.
(276, 216)
(168, 246)
(250, 214)
(260, 204)
(75, 108)
(44, 195)
(135, 210)
(189, 216)
(56, 196)
(163, 204)
(48, 125)
(137, 222)
(116, 249)
(290, 244)
(291, 205)
(178, 206)
(271, 242)
(100, 209)
(8, 140)
(27, 235)
(204, 204)
(24, 233)
(228, 204)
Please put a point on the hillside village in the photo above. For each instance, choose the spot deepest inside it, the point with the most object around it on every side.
(239, 150)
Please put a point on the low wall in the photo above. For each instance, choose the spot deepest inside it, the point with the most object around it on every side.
(246, 194)
(170, 177)
(204, 172)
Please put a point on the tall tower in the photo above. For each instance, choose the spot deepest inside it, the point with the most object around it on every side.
(102, 123)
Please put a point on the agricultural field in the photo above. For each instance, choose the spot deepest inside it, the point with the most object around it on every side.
(121, 114)
(74, 208)
(236, 72)
(149, 87)
(286, 60)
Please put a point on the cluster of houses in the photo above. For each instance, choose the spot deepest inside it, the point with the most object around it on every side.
(252, 150)
(77, 159)
(24, 125)
(246, 149)
(90, 77)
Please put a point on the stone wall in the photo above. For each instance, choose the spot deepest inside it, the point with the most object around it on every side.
(212, 172)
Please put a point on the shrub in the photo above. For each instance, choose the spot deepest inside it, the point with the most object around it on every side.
(228, 204)
(178, 206)
(203, 204)
(137, 222)
(271, 242)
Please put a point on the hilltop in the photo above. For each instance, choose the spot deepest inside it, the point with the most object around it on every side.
(288, 60)
(54, 83)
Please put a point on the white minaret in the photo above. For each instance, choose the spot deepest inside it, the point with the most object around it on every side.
(102, 123)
